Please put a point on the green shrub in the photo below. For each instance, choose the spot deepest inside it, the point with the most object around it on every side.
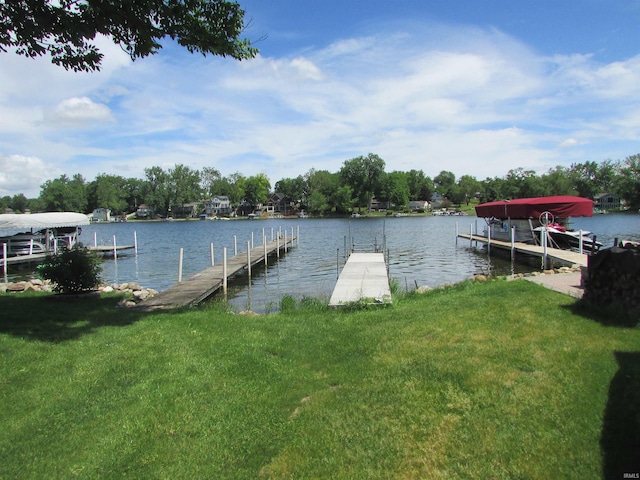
(72, 270)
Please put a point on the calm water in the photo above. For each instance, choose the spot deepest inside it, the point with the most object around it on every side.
(422, 251)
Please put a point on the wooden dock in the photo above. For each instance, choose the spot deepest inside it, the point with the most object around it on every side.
(108, 249)
(207, 282)
(364, 276)
(554, 255)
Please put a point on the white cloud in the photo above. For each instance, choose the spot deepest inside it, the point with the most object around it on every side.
(19, 174)
(79, 112)
(569, 142)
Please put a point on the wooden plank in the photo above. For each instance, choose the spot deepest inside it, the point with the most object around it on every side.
(566, 257)
(363, 276)
(202, 285)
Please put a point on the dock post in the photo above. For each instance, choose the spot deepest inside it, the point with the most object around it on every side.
(338, 263)
(272, 234)
(513, 242)
(264, 244)
(252, 244)
(489, 241)
(135, 242)
(95, 239)
(180, 257)
(470, 235)
(544, 249)
(224, 271)
(278, 246)
(285, 241)
(580, 243)
(4, 258)
(235, 246)
(457, 233)
(249, 260)
(115, 249)
(292, 236)
(31, 246)
(213, 262)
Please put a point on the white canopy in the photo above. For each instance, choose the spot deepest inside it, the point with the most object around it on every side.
(40, 221)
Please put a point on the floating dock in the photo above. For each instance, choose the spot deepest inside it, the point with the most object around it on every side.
(563, 257)
(207, 282)
(364, 276)
(109, 249)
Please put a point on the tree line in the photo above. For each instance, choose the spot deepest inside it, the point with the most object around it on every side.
(320, 192)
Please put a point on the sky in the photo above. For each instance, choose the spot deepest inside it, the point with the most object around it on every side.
(471, 87)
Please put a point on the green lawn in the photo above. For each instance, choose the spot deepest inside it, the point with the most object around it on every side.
(480, 380)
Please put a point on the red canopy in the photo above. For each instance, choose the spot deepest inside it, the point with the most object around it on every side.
(560, 206)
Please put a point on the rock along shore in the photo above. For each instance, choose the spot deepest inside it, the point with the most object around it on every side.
(133, 292)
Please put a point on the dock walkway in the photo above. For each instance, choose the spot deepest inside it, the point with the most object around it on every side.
(564, 257)
(205, 283)
(363, 276)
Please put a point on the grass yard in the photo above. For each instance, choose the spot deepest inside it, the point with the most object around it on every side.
(480, 380)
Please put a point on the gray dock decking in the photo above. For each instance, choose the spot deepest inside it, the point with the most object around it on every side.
(363, 276)
(202, 285)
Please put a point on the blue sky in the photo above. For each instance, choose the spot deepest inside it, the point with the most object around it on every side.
(473, 87)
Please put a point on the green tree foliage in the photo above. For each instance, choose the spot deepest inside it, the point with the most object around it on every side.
(468, 188)
(293, 188)
(420, 186)
(559, 181)
(445, 184)
(156, 191)
(362, 175)
(66, 29)
(64, 194)
(256, 189)
(394, 189)
(210, 181)
(628, 180)
(184, 185)
(108, 191)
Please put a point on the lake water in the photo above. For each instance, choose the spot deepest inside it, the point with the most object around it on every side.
(421, 251)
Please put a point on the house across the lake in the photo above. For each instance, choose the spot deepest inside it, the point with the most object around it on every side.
(144, 211)
(101, 215)
(607, 201)
(218, 205)
(418, 205)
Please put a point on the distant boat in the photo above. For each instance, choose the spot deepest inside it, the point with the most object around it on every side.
(40, 233)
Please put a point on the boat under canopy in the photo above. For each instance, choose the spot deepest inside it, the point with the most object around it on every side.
(539, 220)
(562, 206)
(40, 221)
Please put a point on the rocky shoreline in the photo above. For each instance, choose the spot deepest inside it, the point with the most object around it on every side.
(133, 292)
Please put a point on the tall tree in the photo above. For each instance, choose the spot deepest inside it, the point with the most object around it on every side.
(108, 191)
(157, 189)
(64, 194)
(628, 180)
(420, 186)
(362, 175)
(184, 185)
(257, 188)
(66, 29)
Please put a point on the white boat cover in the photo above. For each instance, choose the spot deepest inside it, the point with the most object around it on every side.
(40, 221)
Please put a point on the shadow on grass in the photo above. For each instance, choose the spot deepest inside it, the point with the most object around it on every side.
(49, 318)
(620, 440)
(610, 316)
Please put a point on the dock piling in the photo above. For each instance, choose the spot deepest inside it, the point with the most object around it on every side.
(115, 249)
(135, 242)
(213, 262)
(180, 258)
(4, 258)
(249, 260)
(224, 271)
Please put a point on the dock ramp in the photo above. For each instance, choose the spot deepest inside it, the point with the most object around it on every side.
(364, 276)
